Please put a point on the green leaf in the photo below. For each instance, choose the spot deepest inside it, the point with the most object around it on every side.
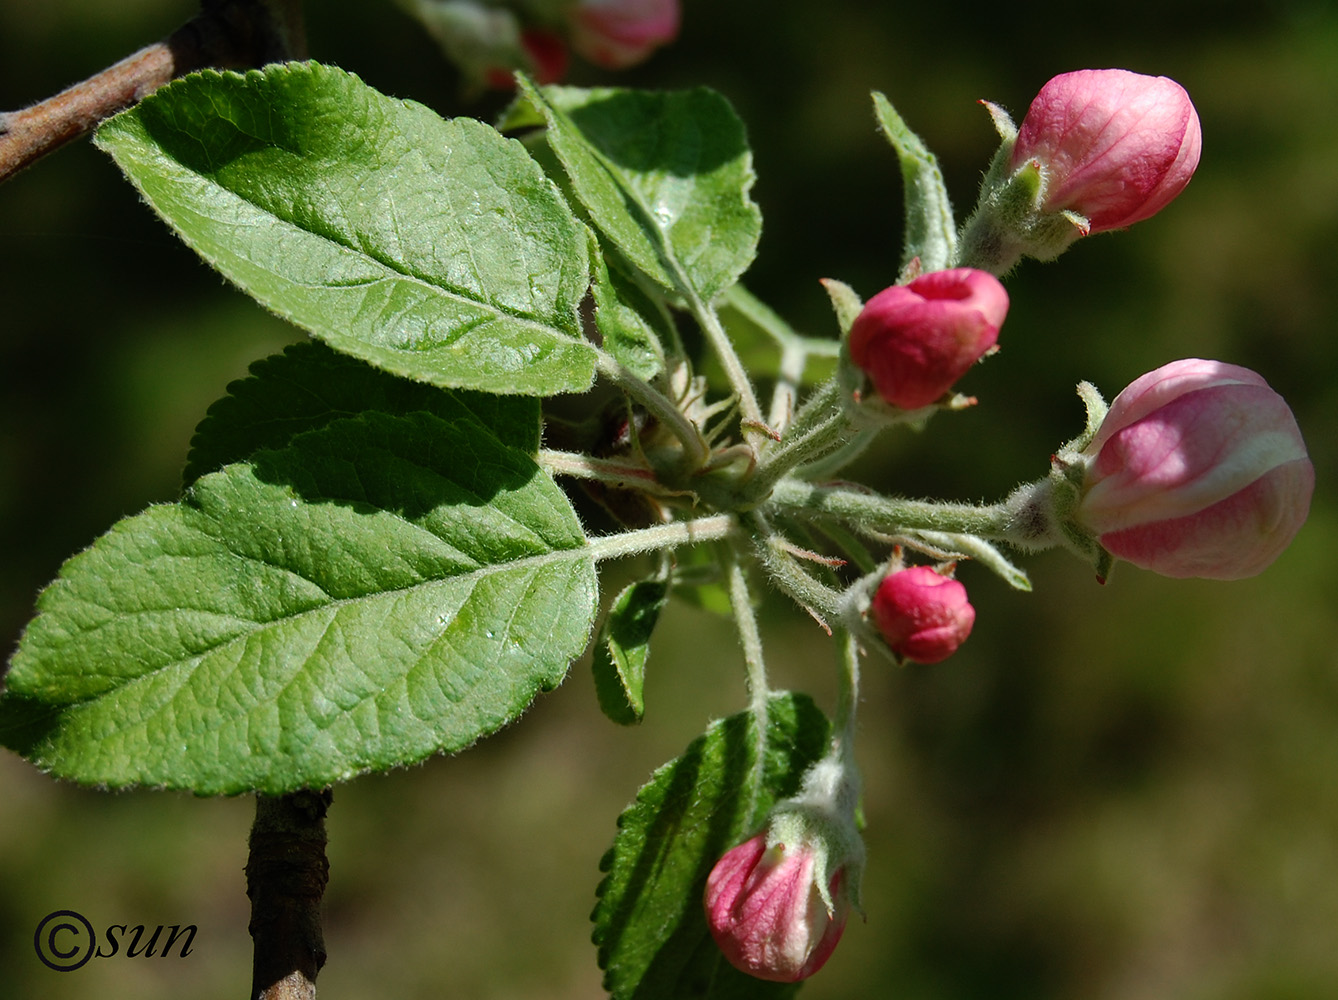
(630, 322)
(619, 659)
(931, 231)
(665, 177)
(698, 580)
(433, 249)
(761, 337)
(649, 924)
(381, 589)
(309, 386)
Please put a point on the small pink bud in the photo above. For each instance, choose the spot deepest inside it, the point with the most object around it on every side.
(616, 34)
(916, 340)
(923, 615)
(1114, 146)
(1198, 469)
(766, 913)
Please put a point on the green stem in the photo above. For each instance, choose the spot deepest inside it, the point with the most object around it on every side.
(757, 312)
(818, 406)
(611, 472)
(847, 697)
(658, 405)
(662, 536)
(828, 465)
(749, 636)
(798, 449)
(786, 394)
(759, 693)
(873, 512)
(753, 421)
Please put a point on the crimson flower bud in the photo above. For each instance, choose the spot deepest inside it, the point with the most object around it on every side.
(915, 340)
(1198, 469)
(1113, 146)
(922, 614)
(766, 913)
(616, 34)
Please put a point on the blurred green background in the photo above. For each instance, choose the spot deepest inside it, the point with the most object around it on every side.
(1111, 793)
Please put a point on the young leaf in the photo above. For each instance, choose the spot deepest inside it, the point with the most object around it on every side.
(649, 923)
(931, 232)
(381, 589)
(433, 249)
(309, 385)
(619, 658)
(665, 177)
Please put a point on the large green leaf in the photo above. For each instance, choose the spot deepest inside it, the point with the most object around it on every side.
(309, 386)
(382, 588)
(665, 177)
(649, 923)
(434, 249)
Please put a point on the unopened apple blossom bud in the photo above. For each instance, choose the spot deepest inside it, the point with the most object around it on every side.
(916, 340)
(777, 904)
(616, 34)
(1197, 470)
(544, 56)
(766, 915)
(1099, 149)
(922, 614)
(488, 43)
(1113, 146)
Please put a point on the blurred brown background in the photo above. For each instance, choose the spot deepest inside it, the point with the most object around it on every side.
(1111, 793)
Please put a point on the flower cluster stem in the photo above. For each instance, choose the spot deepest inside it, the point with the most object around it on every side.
(759, 692)
(891, 515)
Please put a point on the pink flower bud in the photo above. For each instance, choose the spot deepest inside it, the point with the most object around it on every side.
(916, 340)
(766, 913)
(616, 34)
(923, 615)
(546, 55)
(1113, 146)
(1198, 469)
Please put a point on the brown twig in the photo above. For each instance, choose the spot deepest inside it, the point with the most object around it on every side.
(286, 874)
(229, 34)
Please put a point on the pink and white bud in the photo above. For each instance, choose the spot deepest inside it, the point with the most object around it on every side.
(616, 34)
(1198, 469)
(766, 913)
(922, 614)
(777, 904)
(1113, 146)
(915, 340)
